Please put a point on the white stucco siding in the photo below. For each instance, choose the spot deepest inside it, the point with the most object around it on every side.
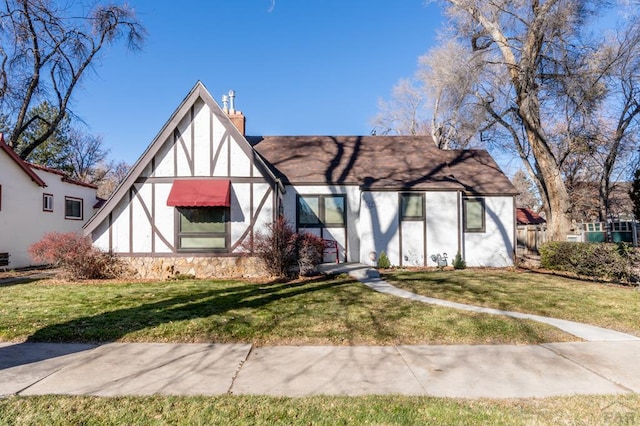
(240, 211)
(23, 221)
(164, 219)
(202, 138)
(184, 148)
(413, 240)
(221, 155)
(164, 159)
(61, 190)
(120, 227)
(20, 212)
(102, 242)
(265, 215)
(378, 228)
(443, 221)
(140, 221)
(494, 247)
(240, 162)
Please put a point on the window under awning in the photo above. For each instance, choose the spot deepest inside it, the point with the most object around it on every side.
(200, 193)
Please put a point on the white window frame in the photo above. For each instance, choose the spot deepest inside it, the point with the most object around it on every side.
(47, 202)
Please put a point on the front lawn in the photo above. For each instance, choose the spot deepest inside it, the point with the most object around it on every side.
(605, 305)
(317, 410)
(321, 311)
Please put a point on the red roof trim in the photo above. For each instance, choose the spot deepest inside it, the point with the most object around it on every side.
(200, 193)
(65, 177)
(21, 163)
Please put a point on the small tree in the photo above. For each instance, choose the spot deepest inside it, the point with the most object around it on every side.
(383, 261)
(458, 262)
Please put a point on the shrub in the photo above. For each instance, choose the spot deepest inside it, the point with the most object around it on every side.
(77, 257)
(285, 252)
(597, 260)
(458, 262)
(383, 261)
(310, 253)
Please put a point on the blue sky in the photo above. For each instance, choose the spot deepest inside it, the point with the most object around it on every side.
(298, 66)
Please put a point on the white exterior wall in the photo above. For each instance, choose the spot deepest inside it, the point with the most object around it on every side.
(495, 246)
(378, 228)
(22, 220)
(373, 224)
(443, 221)
(413, 243)
(349, 246)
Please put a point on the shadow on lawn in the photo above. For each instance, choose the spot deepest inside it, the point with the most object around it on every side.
(112, 325)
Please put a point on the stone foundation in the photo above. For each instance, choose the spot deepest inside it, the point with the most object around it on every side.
(200, 267)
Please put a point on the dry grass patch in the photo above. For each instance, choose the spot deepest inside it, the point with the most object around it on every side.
(318, 410)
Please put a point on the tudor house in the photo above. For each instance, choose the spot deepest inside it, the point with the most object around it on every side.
(202, 189)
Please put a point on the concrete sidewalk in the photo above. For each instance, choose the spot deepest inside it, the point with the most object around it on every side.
(466, 371)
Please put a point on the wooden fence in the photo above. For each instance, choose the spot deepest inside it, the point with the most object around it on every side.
(529, 239)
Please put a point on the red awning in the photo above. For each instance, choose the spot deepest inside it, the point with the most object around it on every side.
(200, 193)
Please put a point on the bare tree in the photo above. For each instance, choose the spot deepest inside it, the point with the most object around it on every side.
(436, 101)
(404, 113)
(86, 157)
(113, 175)
(527, 195)
(530, 47)
(624, 109)
(450, 75)
(45, 50)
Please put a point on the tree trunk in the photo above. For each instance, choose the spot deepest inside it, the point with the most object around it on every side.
(555, 198)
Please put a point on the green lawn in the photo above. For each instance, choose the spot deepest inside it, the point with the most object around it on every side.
(320, 410)
(337, 311)
(606, 305)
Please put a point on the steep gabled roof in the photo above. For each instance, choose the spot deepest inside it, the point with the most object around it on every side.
(381, 163)
(199, 91)
(21, 163)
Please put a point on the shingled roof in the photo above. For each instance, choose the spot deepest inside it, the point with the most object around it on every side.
(382, 163)
(525, 216)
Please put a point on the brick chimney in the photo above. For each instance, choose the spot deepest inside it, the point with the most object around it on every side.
(237, 117)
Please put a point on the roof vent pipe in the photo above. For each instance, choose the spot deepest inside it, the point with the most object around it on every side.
(232, 102)
(225, 103)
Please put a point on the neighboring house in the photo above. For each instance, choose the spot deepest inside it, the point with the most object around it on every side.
(35, 200)
(200, 192)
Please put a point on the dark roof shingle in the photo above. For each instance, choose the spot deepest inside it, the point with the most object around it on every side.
(381, 162)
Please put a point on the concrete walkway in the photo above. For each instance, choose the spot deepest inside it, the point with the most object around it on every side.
(371, 278)
(608, 366)
(465, 371)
